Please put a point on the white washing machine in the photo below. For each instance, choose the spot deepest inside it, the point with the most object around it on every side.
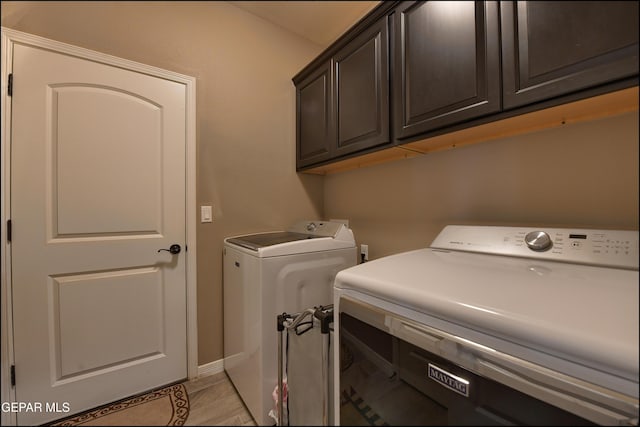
(266, 274)
(492, 326)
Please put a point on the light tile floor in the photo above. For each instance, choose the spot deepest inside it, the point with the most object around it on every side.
(214, 401)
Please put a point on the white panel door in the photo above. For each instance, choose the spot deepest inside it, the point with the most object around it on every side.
(98, 187)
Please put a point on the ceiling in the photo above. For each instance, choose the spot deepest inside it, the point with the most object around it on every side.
(321, 22)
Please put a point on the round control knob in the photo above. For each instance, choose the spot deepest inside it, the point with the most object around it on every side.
(538, 241)
(311, 226)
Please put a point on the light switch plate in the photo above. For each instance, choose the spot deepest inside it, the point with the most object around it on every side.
(206, 214)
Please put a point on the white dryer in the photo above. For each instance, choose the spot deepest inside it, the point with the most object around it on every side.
(267, 274)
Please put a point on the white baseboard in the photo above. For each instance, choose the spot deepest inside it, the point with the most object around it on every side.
(211, 368)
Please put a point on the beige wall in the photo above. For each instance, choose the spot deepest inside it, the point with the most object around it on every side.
(581, 175)
(245, 112)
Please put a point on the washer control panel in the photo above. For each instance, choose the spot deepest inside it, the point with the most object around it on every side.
(317, 228)
(614, 248)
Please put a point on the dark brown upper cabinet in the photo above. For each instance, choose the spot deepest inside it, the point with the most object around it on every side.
(553, 48)
(343, 105)
(411, 72)
(314, 119)
(361, 71)
(446, 64)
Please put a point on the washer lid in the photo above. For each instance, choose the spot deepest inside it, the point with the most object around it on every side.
(302, 237)
(257, 241)
(584, 314)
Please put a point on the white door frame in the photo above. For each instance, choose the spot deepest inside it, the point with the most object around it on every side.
(9, 39)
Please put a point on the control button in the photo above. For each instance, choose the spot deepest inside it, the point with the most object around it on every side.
(311, 226)
(538, 241)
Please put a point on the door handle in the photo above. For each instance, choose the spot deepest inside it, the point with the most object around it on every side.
(173, 249)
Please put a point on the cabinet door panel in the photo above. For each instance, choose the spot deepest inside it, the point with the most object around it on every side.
(552, 48)
(446, 64)
(315, 124)
(362, 91)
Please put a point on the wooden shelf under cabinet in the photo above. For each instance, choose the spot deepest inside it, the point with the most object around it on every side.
(610, 104)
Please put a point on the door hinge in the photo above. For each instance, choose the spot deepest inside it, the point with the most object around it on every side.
(13, 375)
(8, 230)
(10, 85)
